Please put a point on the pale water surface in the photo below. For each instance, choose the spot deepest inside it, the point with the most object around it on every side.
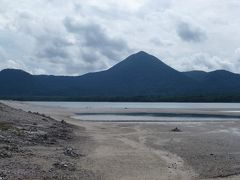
(146, 118)
(139, 105)
(221, 107)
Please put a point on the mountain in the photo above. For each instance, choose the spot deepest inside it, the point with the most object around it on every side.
(222, 81)
(196, 75)
(139, 75)
(15, 82)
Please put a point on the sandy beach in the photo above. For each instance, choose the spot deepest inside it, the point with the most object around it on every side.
(124, 151)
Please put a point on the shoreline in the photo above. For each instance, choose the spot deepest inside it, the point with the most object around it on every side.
(230, 114)
(137, 151)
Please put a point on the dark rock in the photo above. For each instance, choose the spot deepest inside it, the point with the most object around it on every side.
(64, 166)
(176, 130)
(63, 122)
(44, 119)
(3, 175)
(69, 151)
(12, 148)
(5, 154)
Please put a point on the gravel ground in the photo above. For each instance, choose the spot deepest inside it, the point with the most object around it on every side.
(35, 146)
(115, 151)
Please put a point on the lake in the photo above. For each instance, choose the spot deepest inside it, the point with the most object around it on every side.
(139, 105)
(105, 111)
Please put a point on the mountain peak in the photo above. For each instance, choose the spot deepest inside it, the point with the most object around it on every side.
(141, 65)
(142, 57)
(142, 53)
(222, 71)
(14, 71)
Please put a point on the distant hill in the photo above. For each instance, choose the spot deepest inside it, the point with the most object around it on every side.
(196, 75)
(222, 81)
(139, 74)
(141, 77)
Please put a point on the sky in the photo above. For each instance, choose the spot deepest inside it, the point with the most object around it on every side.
(74, 37)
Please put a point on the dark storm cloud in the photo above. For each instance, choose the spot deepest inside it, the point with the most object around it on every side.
(188, 32)
(95, 37)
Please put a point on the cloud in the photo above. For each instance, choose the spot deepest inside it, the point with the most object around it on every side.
(190, 33)
(53, 47)
(75, 37)
(96, 38)
(237, 53)
(204, 61)
(53, 52)
(9, 63)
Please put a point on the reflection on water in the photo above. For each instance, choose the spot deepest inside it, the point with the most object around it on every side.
(145, 118)
(130, 105)
(228, 108)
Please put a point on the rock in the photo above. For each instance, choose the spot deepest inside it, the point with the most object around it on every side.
(176, 130)
(63, 122)
(12, 148)
(44, 119)
(68, 151)
(64, 166)
(5, 154)
(2, 176)
(60, 165)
